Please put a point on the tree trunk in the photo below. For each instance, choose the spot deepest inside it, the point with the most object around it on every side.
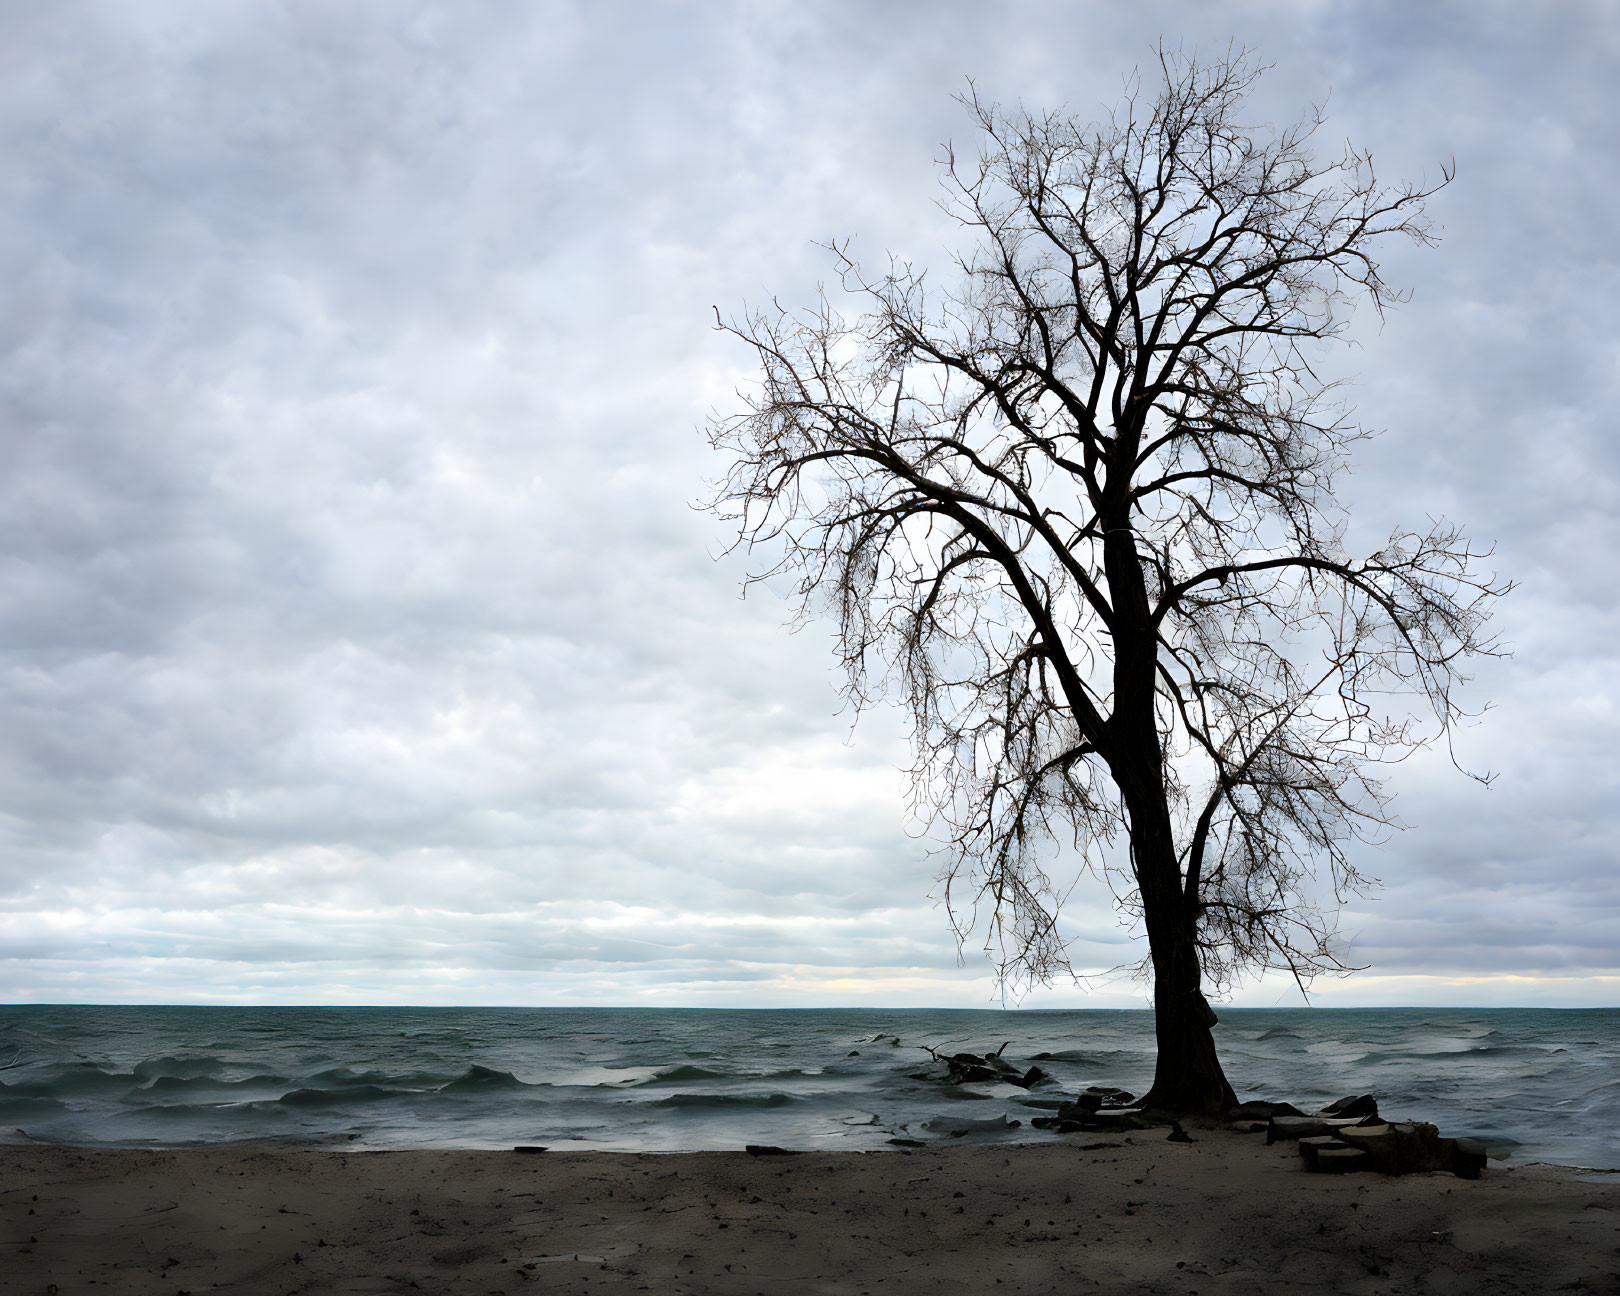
(1188, 1076)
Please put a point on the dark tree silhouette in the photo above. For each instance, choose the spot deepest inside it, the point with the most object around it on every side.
(1077, 509)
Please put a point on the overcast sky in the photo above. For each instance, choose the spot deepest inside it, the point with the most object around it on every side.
(361, 642)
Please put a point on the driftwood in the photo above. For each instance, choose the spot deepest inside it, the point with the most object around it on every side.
(988, 1068)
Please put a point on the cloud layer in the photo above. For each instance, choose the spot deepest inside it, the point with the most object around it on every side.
(361, 642)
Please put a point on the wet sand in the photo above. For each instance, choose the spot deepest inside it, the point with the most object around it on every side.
(1223, 1214)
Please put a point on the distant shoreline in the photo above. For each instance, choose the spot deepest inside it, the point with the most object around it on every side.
(788, 1008)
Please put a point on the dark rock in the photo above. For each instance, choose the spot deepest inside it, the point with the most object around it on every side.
(853, 1053)
(900, 1142)
(1405, 1147)
(1099, 1096)
(957, 1126)
(1118, 1118)
(767, 1149)
(1255, 1109)
(1280, 1128)
(1293, 1127)
(528, 1147)
(1029, 1079)
(1177, 1134)
(1419, 1147)
(1361, 1105)
(1378, 1142)
(1339, 1160)
(1312, 1144)
(1047, 1122)
(1467, 1157)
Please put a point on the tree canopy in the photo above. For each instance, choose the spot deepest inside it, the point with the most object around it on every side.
(1075, 506)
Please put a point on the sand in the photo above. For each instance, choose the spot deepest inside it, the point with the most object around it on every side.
(1224, 1214)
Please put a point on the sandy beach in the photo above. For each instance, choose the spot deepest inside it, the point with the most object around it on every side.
(1225, 1213)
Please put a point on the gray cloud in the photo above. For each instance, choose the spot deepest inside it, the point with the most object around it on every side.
(360, 641)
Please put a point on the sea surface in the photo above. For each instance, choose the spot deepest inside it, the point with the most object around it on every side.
(1534, 1084)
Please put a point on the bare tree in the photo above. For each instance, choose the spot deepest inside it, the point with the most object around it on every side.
(1077, 509)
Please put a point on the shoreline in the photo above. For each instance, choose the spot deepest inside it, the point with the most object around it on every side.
(1573, 1171)
(1224, 1213)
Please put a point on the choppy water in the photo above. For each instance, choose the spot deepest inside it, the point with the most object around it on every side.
(1536, 1084)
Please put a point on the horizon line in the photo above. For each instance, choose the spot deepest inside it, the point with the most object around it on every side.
(633, 1007)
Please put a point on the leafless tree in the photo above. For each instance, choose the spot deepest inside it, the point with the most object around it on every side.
(1077, 508)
